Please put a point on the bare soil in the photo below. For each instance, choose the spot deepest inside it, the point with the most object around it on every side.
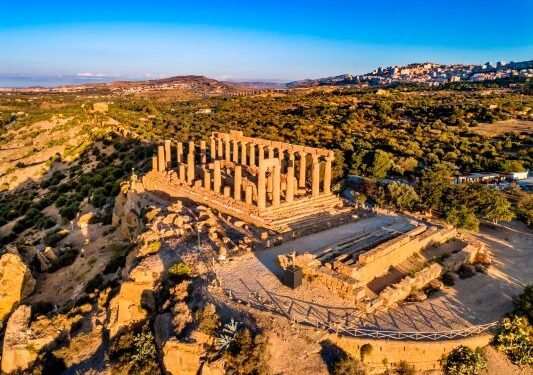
(502, 127)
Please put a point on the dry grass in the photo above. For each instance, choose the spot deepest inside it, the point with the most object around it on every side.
(502, 127)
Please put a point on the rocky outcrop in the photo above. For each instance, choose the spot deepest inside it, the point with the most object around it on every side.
(127, 212)
(128, 307)
(16, 283)
(23, 340)
(185, 358)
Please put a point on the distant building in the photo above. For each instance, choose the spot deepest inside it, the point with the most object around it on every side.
(485, 178)
(516, 176)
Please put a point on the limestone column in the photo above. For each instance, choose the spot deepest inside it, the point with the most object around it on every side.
(203, 152)
(168, 159)
(190, 168)
(261, 153)
(261, 187)
(191, 148)
(270, 152)
(289, 193)
(217, 179)
(207, 179)
(252, 154)
(161, 158)
(315, 185)
(248, 194)
(227, 149)
(243, 153)
(276, 188)
(154, 163)
(235, 151)
(302, 169)
(179, 153)
(237, 182)
(181, 171)
(213, 149)
(327, 176)
(220, 148)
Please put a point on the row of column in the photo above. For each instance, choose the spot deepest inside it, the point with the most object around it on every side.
(244, 153)
(240, 156)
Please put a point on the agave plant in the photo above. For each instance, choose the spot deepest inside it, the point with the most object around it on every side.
(227, 336)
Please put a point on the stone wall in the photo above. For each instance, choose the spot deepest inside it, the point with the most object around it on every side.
(401, 290)
(422, 355)
(377, 261)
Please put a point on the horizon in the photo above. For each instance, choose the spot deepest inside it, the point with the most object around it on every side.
(247, 42)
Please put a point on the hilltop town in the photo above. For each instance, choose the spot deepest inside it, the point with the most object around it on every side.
(430, 74)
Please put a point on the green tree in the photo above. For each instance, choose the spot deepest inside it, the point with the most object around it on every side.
(434, 185)
(381, 164)
(496, 207)
(461, 217)
(402, 196)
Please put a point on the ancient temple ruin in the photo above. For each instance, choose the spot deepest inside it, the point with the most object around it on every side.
(270, 184)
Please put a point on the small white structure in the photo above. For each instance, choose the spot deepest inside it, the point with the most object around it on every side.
(516, 176)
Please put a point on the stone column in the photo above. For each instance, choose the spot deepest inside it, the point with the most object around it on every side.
(289, 193)
(179, 153)
(261, 187)
(181, 171)
(235, 151)
(191, 148)
(270, 152)
(237, 182)
(217, 179)
(207, 179)
(190, 168)
(261, 153)
(327, 175)
(154, 163)
(227, 149)
(248, 194)
(161, 158)
(302, 169)
(315, 186)
(252, 154)
(276, 186)
(203, 152)
(243, 153)
(168, 159)
(220, 149)
(213, 149)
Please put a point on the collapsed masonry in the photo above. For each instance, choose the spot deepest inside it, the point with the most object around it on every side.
(350, 265)
(273, 185)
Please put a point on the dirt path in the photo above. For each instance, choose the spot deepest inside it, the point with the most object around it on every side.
(478, 300)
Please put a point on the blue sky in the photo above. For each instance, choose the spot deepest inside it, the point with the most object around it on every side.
(283, 40)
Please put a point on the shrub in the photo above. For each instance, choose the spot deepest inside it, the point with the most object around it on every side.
(66, 258)
(348, 365)
(144, 349)
(179, 271)
(515, 339)
(464, 361)
(96, 283)
(247, 354)
(53, 239)
(69, 212)
(404, 368)
(99, 200)
(153, 247)
(524, 304)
